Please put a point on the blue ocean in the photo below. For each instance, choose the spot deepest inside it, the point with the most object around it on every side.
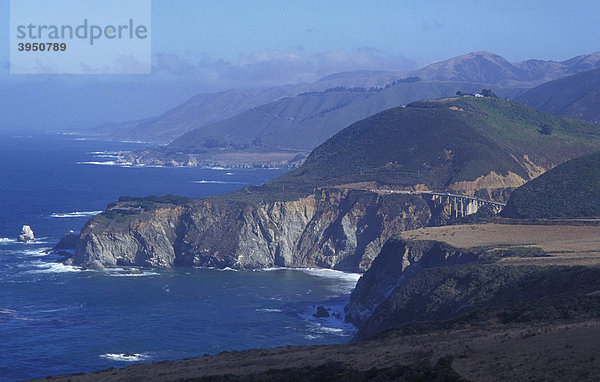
(57, 319)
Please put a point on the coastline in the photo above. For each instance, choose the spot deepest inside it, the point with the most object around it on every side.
(489, 353)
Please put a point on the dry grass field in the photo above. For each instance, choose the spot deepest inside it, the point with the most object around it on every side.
(565, 244)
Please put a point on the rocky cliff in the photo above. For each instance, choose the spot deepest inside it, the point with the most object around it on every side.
(331, 228)
(399, 261)
(425, 285)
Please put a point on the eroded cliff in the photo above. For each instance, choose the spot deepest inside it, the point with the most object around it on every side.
(332, 228)
(427, 285)
(398, 261)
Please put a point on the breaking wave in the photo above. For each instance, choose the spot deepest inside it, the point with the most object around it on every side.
(125, 357)
(76, 214)
(214, 182)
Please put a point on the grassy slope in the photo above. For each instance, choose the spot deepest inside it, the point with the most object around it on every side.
(305, 121)
(570, 190)
(427, 142)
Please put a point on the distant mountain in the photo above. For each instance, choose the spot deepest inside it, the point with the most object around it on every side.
(570, 190)
(576, 96)
(483, 68)
(305, 121)
(355, 75)
(486, 67)
(294, 124)
(198, 111)
(205, 109)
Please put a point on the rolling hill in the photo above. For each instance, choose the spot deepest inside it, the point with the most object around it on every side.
(482, 146)
(576, 96)
(305, 121)
(475, 68)
(570, 190)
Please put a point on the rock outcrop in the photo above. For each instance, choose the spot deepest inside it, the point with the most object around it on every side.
(424, 285)
(398, 261)
(332, 228)
(26, 234)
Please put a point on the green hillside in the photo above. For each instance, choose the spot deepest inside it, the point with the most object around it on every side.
(442, 142)
(570, 190)
(307, 120)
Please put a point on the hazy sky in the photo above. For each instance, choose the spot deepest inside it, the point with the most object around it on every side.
(201, 46)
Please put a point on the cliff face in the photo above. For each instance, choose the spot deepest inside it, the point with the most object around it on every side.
(398, 261)
(333, 228)
(420, 285)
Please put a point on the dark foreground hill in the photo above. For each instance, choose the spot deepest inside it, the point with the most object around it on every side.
(576, 96)
(570, 190)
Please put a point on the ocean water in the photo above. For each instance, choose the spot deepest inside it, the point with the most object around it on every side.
(56, 319)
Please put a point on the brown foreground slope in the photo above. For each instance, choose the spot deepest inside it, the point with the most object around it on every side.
(560, 351)
(563, 244)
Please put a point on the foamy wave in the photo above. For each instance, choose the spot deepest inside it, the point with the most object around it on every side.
(336, 328)
(131, 274)
(39, 240)
(347, 280)
(120, 164)
(76, 214)
(43, 267)
(125, 357)
(332, 274)
(312, 337)
(216, 168)
(269, 310)
(38, 252)
(214, 182)
(227, 269)
(107, 163)
(103, 152)
(326, 329)
(270, 269)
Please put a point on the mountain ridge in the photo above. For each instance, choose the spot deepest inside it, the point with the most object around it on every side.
(479, 67)
(575, 96)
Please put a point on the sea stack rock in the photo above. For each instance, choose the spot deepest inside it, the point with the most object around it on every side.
(321, 312)
(26, 234)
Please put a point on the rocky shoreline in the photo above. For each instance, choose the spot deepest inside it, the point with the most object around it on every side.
(334, 228)
(161, 156)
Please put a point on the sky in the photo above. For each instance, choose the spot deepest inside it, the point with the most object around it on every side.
(206, 46)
